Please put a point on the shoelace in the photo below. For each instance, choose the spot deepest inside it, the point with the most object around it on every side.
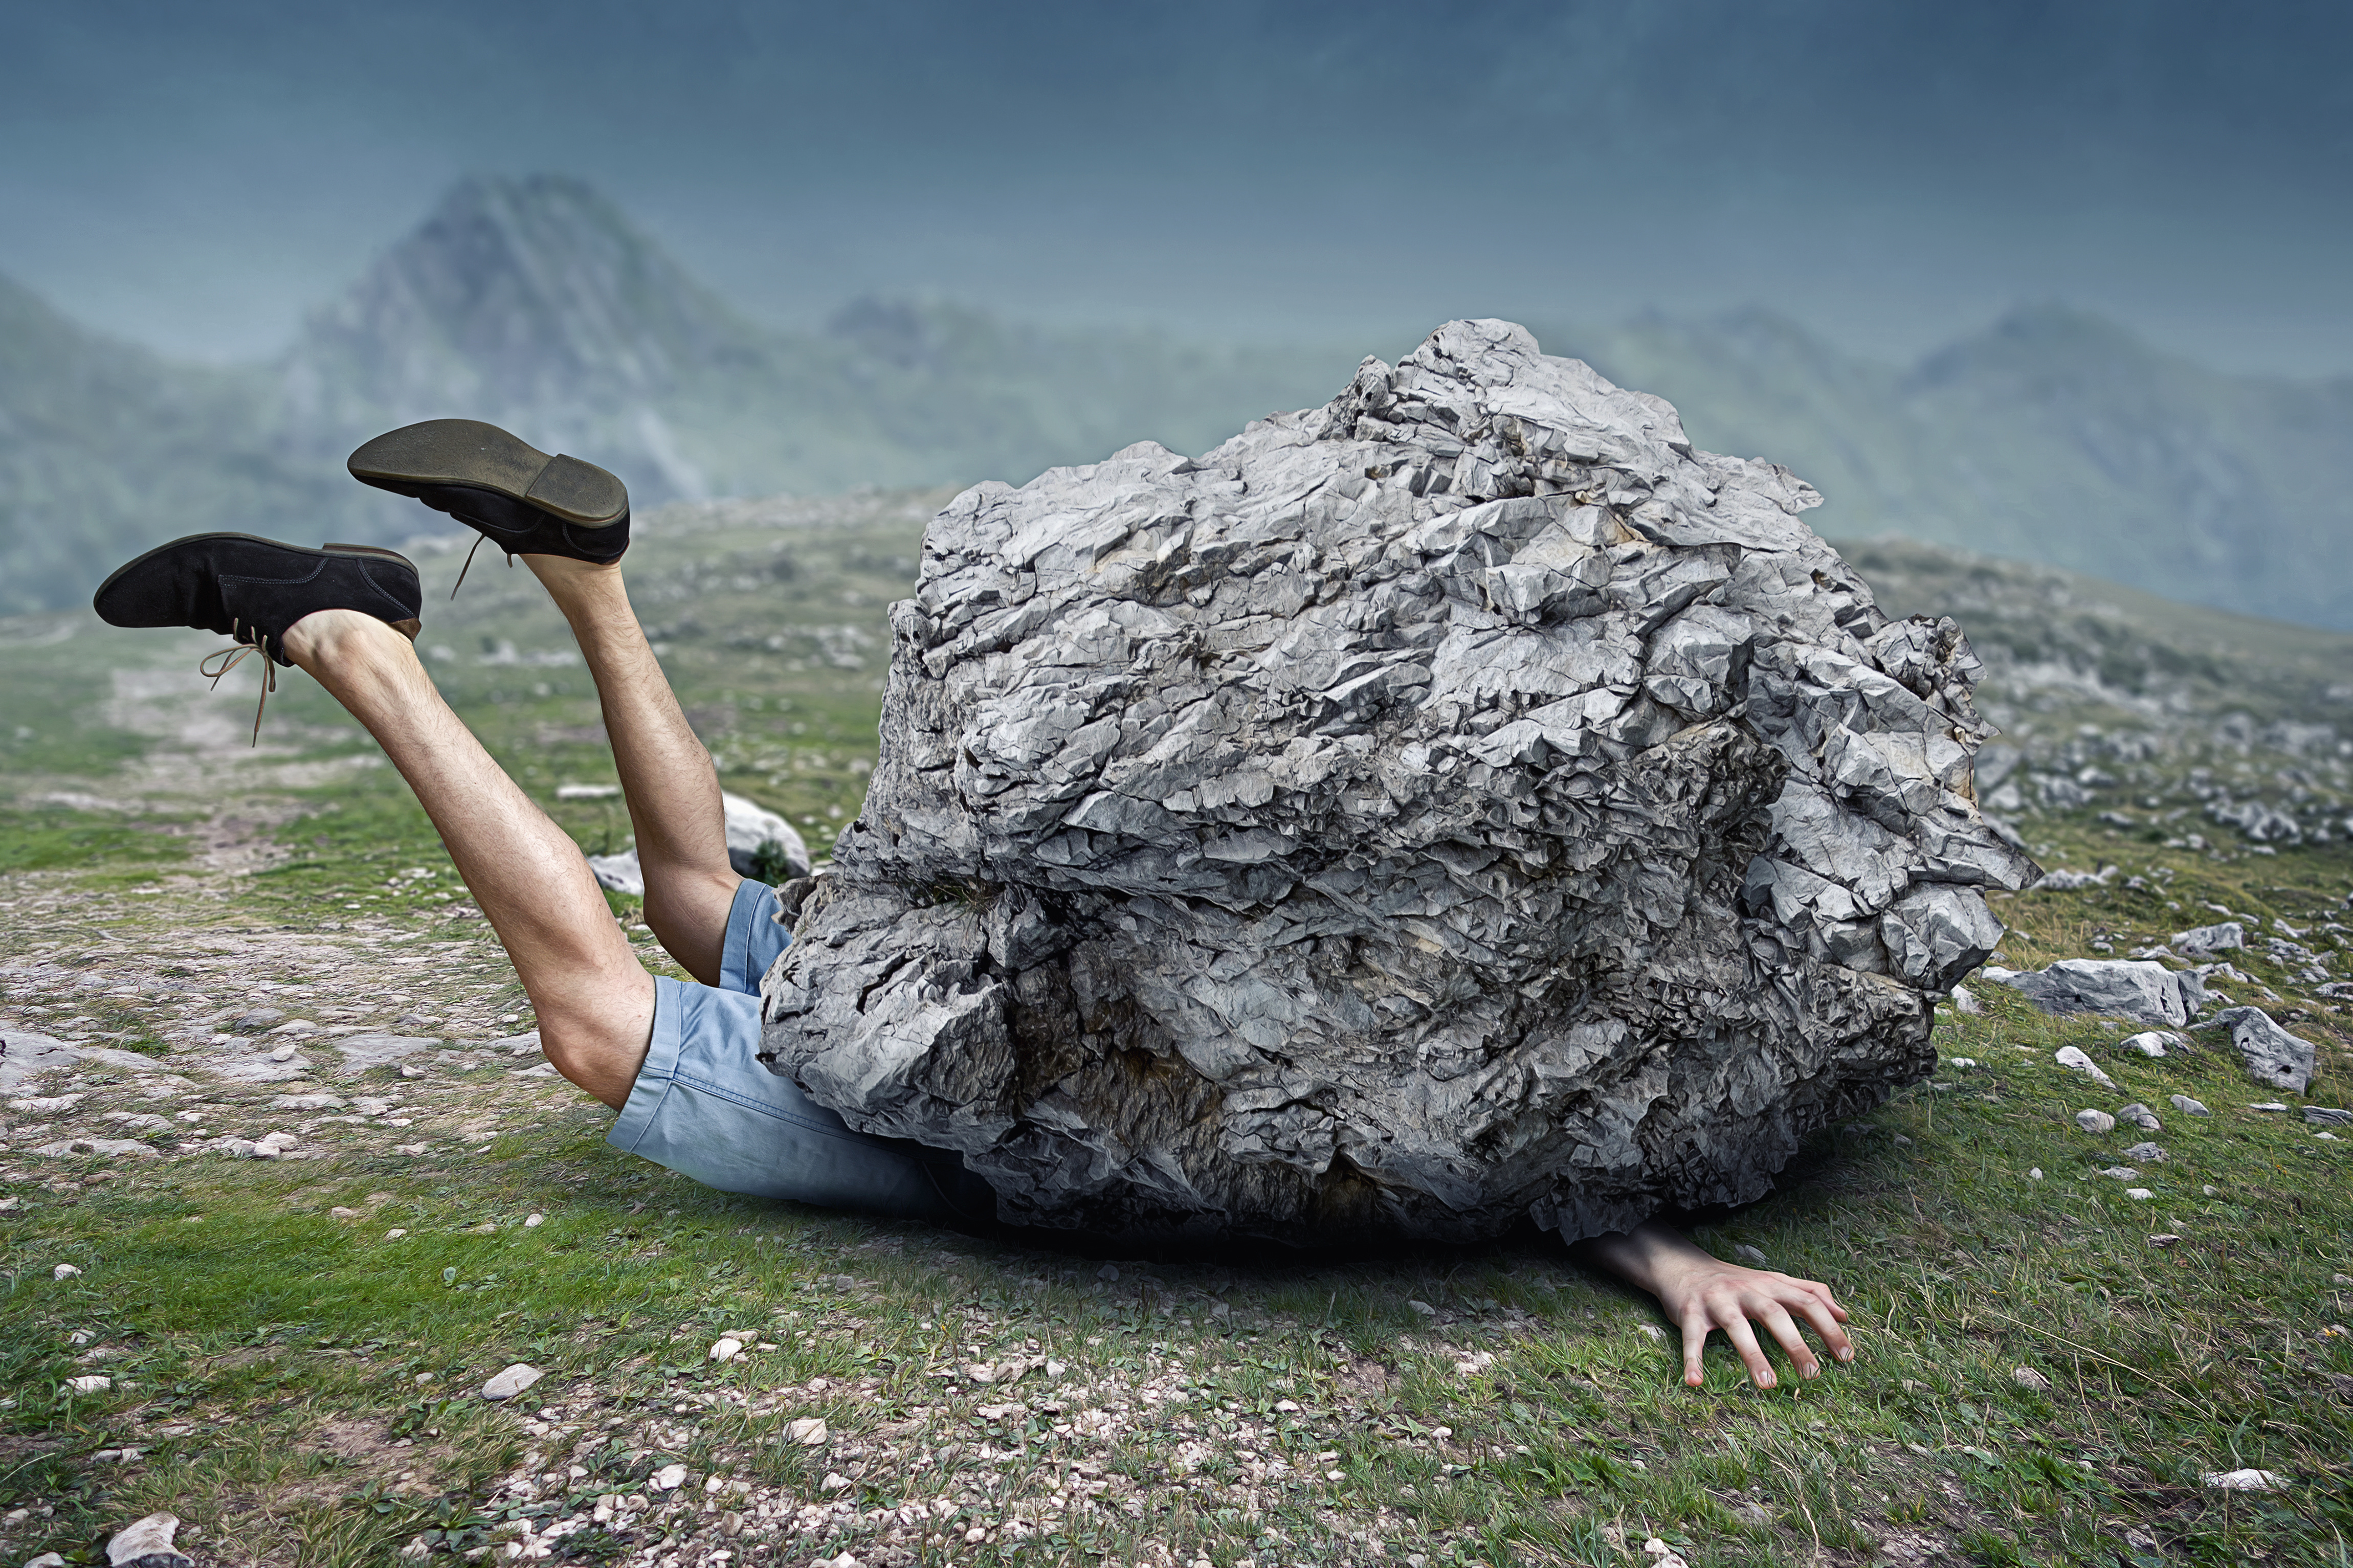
(478, 539)
(231, 658)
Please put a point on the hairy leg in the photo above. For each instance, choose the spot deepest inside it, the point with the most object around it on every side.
(595, 1001)
(666, 775)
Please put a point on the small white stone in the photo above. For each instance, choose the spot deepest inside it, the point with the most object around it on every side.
(2095, 1121)
(395, 1233)
(146, 1543)
(2149, 1043)
(2035, 1175)
(2189, 1107)
(726, 1349)
(2139, 1194)
(533, 1221)
(511, 1381)
(2073, 1058)
(65, 1271)
(669, 1478)
(2245, 1480)
(2027, 1377)
(94, 1383)
(808, 1432)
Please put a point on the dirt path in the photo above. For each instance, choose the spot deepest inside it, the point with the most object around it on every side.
(164, 1020)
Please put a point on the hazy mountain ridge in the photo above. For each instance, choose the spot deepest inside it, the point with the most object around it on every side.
(2054, 436)
(535, 303)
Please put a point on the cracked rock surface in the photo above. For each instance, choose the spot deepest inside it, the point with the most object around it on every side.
(1458, 803)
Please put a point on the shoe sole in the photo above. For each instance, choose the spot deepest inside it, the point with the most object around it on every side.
(408, 628)
(469, 452)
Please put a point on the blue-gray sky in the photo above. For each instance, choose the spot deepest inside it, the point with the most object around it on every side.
(1892, 173)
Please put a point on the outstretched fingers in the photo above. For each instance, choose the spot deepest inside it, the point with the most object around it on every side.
(1739, 1303)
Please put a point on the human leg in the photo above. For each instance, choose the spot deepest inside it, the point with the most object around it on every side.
(667, 778)
(569, 520)
(595, 1001)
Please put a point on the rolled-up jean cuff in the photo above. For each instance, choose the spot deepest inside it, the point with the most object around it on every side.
(705, 1105)
(754, 938)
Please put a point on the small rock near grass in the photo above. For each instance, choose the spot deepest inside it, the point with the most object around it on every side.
(2121, 1173)
(2095, 1121)
(2326, 1116)
(808, 1432)
(2027, 1377)
(726, 1348)
(2273, 1055)
(513, 1380)
(2146, 1154)
(2245, 1480)
(94, 1383)
(2140, 1115)
(46, 1560)
(669, 1478)
(2139, 1194)
(2164, 1238)
(2073, 1058)
(2148, 1042)
(65, 1271)
(2189, 1107)
(147, 1544)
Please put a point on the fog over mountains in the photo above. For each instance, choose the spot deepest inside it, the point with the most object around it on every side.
(2053, 436)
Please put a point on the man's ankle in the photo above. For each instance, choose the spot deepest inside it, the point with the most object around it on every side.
(331, 637)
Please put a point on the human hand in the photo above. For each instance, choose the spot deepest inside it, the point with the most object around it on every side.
(1702, 1293)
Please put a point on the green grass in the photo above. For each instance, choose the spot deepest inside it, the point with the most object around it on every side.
(45, 837)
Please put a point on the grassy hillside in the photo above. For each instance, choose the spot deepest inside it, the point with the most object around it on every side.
(2049, 1366)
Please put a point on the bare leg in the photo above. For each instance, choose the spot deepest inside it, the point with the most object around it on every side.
(666, 775)
(595, 1001)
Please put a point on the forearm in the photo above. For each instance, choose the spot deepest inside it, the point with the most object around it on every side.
(1649, 1256)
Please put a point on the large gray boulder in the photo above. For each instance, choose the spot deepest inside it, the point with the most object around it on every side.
(1458, 803)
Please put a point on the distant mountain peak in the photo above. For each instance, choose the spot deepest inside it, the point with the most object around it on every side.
(534, 293)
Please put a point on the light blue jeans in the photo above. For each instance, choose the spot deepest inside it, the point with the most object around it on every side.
(705, 1107)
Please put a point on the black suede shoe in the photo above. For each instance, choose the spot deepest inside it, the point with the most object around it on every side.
(514, 495)
(250, 590)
